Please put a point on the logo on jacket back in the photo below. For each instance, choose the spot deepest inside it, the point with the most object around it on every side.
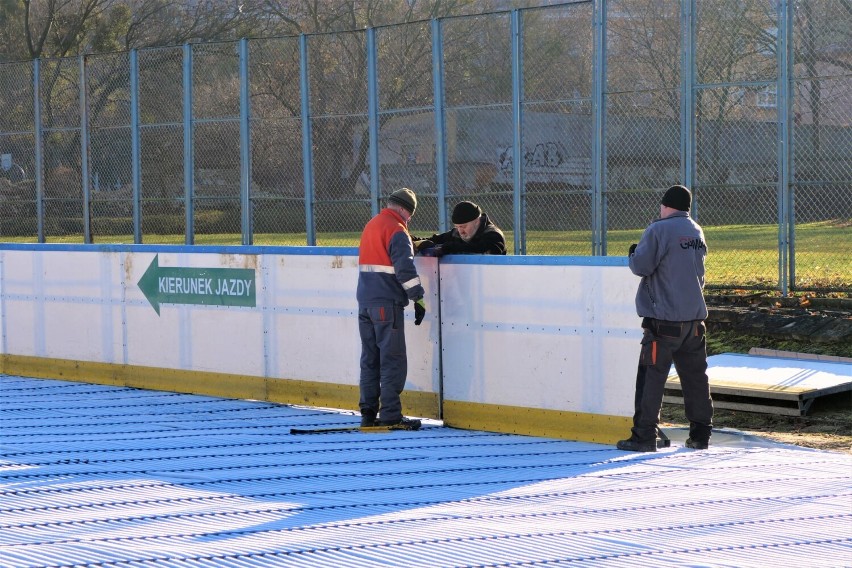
(692, 243)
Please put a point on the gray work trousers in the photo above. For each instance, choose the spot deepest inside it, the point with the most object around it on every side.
(384, 364)
(684, 344)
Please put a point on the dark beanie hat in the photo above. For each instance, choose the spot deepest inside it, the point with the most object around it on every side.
(677, 197)
(465, 212)
(404, 197)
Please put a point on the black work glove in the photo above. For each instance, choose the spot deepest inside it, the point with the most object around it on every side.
(419, 310)
(632, 249)
(423, 245)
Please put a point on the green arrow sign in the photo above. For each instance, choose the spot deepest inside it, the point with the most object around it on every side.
(212, 286)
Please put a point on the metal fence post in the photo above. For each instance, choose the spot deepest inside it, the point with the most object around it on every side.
(440, 138)
(598, 129)
(84, 154)
(135, 156)
(39, 149)
(784, 154)
(307, 143)
(373, 119)
(687, 98)
(520, 233)
(245, 146)
(188, 145)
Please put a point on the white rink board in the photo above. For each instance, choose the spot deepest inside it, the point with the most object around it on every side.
(84, 304)
(64, 305)
(555, 333)
(558, 336)
(193, 337)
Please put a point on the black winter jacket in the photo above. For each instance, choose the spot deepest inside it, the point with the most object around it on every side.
(488, 239)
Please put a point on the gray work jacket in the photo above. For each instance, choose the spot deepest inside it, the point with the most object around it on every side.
(670, 259)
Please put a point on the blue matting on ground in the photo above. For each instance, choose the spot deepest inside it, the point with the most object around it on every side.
(93, 475)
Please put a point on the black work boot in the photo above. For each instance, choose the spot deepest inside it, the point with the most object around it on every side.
(634, 445)
(695, 444)
(368, 418)
(699, 436)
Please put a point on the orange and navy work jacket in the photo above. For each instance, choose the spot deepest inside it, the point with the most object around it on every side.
(386, 263)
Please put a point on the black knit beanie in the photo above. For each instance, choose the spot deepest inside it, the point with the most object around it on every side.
(677, 197)
(465, 212)
(405, 198)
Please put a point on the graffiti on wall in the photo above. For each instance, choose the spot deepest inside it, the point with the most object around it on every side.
(546, 162)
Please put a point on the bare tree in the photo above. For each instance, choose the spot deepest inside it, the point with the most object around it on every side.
(174, 22)
(732, 55)
(57, 28)
(338, 71)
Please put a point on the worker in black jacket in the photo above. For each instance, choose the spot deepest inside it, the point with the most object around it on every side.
(472, 233)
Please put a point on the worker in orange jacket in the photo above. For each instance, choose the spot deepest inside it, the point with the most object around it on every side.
(387, 281)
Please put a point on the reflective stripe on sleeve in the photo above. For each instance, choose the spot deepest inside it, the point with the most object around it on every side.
(377, 268)
(411, 283)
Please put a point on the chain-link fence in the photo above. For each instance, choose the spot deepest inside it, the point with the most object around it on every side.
(565, 123)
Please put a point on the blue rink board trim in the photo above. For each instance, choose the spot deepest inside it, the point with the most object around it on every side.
(508, 260)
(535, 260)
(94, 475)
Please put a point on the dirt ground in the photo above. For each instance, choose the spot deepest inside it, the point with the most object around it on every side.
(828, 425)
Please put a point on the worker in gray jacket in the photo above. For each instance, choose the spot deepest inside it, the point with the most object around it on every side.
(670, 259)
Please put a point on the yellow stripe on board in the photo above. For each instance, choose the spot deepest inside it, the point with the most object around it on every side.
(330, 395)
(282, 391)
(561, 424)
(467, 415)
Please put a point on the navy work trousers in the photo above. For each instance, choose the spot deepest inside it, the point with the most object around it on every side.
(684, 344)
(384, 363)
